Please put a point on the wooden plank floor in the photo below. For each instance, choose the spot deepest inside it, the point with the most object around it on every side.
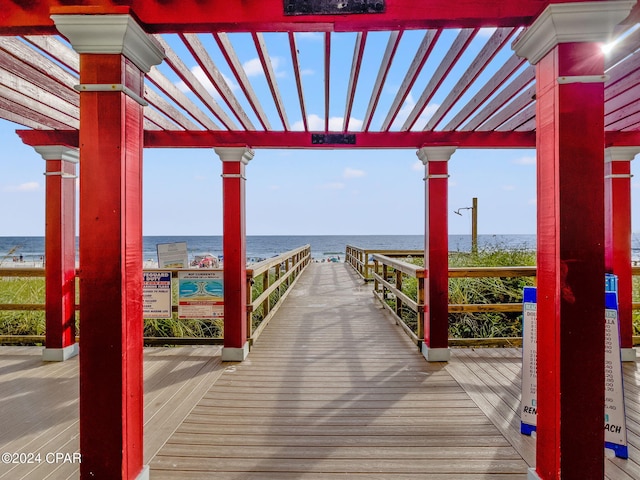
(39, 403)
(492, 379)
(334, 390)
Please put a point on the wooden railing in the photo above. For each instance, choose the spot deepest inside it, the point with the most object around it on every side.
(268, 284)
(362, 261)
(275, 277)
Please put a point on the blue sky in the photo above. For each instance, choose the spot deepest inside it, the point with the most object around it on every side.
(309, 191)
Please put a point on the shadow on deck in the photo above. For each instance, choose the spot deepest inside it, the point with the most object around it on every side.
(332, 390)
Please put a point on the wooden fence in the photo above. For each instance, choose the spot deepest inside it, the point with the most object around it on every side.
(387, 270)
(268, 284)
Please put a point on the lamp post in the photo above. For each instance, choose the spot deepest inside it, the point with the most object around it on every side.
(474, 223)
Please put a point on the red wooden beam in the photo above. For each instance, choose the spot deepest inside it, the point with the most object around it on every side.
(268, 15)
(209, 139)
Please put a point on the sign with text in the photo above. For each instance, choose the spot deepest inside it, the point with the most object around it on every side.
(615, 432)
(172, 255)
(201, 294)
(156, 295)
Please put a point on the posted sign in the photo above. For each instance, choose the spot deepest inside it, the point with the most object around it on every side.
(173, 255)
(156, 295)
(615, 432)
(201, 294)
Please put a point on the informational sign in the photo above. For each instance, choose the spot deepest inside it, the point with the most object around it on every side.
(156, 295)
(172, 255)
(615, 432)
(529, 362)
(200, 294)
(615, 428)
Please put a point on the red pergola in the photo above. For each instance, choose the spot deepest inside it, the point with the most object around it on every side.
(102, 76)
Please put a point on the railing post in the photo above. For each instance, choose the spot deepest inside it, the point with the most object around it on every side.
(376, 284)
(234, 160)
(60, 252)
(399, 287)
(435, 347)
(420, 302)
(249, 290)
(364, 265)
(617, 190)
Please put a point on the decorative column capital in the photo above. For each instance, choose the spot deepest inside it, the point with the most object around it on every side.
(570, 22)
(235, 154)
(618, 154)
(58, 152)
(110, 33)
(435, 154)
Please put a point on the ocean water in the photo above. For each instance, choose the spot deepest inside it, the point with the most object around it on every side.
(31, 249)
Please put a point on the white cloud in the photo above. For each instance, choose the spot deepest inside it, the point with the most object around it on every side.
(307, 71)
(418, 166)
(486, 32)
(526, 160)
(23, 187)
(406, 110)
(316, 124)
(309, 35)
(332, 186)
(353, 173)
(253, 67)
(198, 72)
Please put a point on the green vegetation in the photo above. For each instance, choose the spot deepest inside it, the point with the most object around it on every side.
(24, 291)
(479, 291)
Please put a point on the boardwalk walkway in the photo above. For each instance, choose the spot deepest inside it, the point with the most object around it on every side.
(335, 390)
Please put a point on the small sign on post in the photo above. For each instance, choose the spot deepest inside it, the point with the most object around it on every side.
(201, 294)
(156, 295)
(172, 255)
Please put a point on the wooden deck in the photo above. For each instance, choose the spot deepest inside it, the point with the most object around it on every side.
(332, 390)
(39, 406)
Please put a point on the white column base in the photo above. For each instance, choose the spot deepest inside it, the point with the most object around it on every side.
(144, 474)
(628, 354)
(60, 354)
(235, 354)
(436, 354)
(532, 475)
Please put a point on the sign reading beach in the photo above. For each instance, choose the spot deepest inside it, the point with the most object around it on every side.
(200, 294)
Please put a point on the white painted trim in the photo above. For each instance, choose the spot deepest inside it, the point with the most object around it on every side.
(117, 34)
(111, 87)
(532, 475)
(619, 154)
(619, 175)
(436, 354)
(144, 474)
(58, 152)
(235, 154)
(233, 175)
(436, 176)
(435, 154)
(60, 354)
(59, 174)
(628, 355)
(570, 22)
(583, 79)
(235, 354)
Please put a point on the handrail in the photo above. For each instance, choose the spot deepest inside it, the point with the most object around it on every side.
(286, 270)
(285, 267)
(387, 279)
(360, 258)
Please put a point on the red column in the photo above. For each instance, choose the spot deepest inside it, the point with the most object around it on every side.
(435, 346)
(111, 128)
(60, 252)
(617, 187)
(234, 160)
(570, 147)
